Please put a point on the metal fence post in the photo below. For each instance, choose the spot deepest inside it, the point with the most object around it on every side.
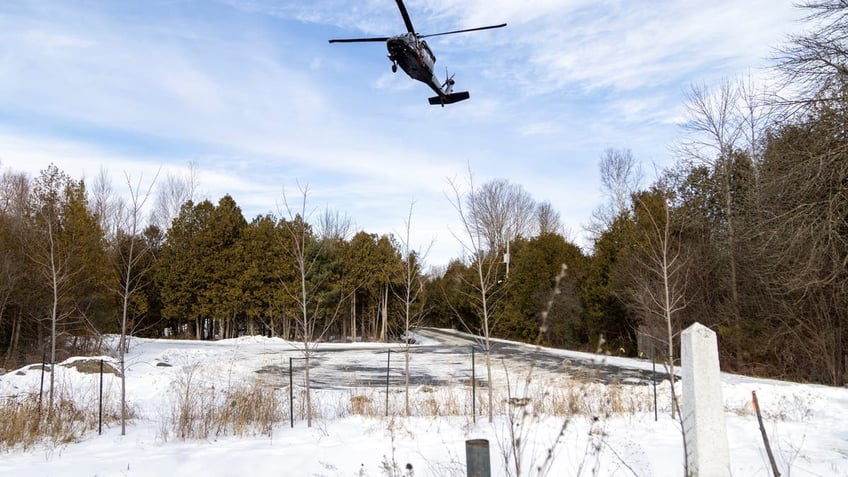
(654, 378)
(41, 388)
(477, 462)
(291, 392)
(100, 419)
(473, 389)
(388, 366)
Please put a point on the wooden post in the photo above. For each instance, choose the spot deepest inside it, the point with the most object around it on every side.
(756, 404)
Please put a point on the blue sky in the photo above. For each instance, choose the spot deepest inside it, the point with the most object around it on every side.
(253, 94)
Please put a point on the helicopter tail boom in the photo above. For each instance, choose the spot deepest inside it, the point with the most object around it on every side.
(450, 98)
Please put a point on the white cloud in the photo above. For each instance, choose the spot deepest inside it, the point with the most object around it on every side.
(251, 91)
(541, 128)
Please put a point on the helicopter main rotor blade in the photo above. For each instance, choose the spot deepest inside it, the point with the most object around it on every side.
(405, 16)
(463, 31)
(359, 40)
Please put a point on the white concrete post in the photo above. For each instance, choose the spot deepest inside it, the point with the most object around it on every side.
(704, 427)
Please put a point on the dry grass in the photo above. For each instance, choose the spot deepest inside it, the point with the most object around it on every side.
(200, 410)
(26, 421)
(21, 423)
(561, 398)
(362, 405)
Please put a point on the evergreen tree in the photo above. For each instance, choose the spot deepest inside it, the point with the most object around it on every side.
(536, 263)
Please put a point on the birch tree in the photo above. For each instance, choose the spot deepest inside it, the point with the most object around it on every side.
(304, 251)
(477, 242)
(413, 308)
(131, 250)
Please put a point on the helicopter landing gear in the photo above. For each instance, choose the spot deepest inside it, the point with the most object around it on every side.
(394, 67)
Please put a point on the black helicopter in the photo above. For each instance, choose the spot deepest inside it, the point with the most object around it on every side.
(411, 52)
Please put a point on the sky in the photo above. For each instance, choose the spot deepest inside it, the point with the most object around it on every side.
(252, 94)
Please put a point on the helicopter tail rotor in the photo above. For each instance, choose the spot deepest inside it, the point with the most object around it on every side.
(447, 96)
(449, 82)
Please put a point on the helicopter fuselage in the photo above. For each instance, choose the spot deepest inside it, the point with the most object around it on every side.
(415, 58)
(413, 55)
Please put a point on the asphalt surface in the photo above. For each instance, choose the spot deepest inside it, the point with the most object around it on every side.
(446, 359)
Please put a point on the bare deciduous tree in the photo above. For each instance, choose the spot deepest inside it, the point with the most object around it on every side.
(756, 110)
(477, 243)
(658, 284)
(107, 207)
(815, 64)
(410, 295)
(715, 127)
(333, 225)
(804, 193)
(501, 212)
(52, 255)
(14, 196)
(548, 219)
(620, 177)
(172, 193)
(130, 251)
(304, 251)
(804, 232)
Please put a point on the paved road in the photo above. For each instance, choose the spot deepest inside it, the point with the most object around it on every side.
(594, 368)
(444, 359)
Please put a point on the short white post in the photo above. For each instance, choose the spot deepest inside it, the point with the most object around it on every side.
(704, 427)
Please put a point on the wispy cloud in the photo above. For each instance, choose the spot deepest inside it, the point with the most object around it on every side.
(251, 91)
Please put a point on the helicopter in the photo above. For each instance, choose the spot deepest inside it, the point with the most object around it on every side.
(410, 52)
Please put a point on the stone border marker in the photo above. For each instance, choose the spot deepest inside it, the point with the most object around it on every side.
(704, 427)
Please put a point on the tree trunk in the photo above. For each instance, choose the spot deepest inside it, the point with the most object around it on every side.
(13, 339)
(489, 385)
(375, 323)
(384, 315)
(731, 248)
(53, 321)
(839, 352)
(123, 391)
(308, 393)
(406, 374)
(353, 319)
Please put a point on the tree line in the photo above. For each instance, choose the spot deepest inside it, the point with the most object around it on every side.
(746, 233)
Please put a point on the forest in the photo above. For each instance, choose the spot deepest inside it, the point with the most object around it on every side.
(747, 233)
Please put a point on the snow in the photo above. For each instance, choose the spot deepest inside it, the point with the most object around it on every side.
(805, 423)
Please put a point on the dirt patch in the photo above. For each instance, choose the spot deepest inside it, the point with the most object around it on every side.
(33, 367)
(92, 366)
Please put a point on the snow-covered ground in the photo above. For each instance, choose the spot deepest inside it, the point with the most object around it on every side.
(615, 434)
